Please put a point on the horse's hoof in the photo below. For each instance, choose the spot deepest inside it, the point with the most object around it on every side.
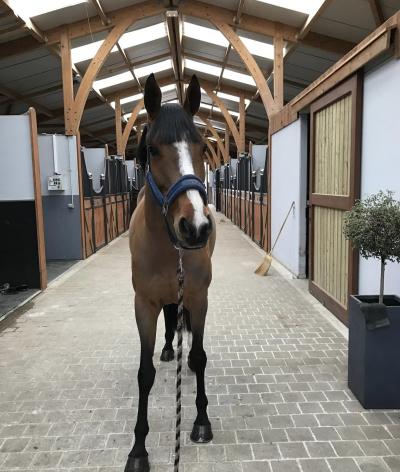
(137, 464)
(201, 433)
(167, 355)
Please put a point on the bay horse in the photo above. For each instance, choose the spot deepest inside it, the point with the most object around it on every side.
(171, 213)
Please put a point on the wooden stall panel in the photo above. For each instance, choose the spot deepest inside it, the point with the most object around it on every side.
(88, 229)
(333, 148)
(331, 254)
(99, 223)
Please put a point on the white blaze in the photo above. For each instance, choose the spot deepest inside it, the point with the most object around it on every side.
(185, 168)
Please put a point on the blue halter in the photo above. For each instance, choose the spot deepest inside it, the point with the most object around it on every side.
(184, 183)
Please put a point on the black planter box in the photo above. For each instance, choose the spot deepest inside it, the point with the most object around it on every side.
(374, 355)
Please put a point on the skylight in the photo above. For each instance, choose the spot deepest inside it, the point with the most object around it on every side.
(128, 115)
(217, 109)
(39, 7)
(233, 98)
(202, 67)
(138, 96)
(214, 70)
(143, 35)
(203, 33)
(258, 48)
(127, 40)
(153, 68)
(214, 36)
(126, 76)
(238, 77)
(302, 6)
(113, 80)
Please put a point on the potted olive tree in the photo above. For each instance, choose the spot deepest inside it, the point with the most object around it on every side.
(373, 227)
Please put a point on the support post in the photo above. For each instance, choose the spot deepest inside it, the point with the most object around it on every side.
(278, 71)
(118, 126)
(242, 124)
(68, 88)
(227, 136)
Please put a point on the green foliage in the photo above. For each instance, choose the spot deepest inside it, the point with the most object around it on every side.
(373, 227)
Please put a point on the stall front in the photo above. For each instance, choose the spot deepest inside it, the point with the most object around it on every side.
(22, 248)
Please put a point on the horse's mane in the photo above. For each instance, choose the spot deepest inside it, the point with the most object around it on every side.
(172, 124)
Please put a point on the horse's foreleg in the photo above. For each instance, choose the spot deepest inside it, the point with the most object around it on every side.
(146, 319)
(170, 318)
(201, 431)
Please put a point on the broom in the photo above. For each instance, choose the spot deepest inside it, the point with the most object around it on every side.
(263, 268)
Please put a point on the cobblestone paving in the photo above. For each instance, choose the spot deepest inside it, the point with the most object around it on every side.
(276, 379)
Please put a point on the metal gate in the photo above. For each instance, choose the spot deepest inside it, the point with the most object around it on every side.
(334, 186)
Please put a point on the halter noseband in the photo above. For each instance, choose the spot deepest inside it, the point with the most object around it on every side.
(184, 183)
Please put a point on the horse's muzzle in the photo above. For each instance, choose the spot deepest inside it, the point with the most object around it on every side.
(194, 237)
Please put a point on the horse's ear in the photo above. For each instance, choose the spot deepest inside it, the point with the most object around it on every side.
(193, 96)
(152, 97)
(142, 149)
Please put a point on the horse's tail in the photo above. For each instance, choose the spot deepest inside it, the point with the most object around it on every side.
(171, 311)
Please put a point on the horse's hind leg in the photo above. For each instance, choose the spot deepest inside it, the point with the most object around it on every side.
(170, 318)
(201, 432)
(146, 319)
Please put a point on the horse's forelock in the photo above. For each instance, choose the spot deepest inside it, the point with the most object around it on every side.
(173, 124)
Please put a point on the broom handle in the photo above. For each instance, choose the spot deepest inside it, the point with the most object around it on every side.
(280, 231)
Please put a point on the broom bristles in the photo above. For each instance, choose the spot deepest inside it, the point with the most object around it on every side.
(263, 268)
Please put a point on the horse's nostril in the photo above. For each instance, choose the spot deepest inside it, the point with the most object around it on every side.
(195, 235)
(185, 228)
(205, 229)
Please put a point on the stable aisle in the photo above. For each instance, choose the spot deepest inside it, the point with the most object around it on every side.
(276, 378)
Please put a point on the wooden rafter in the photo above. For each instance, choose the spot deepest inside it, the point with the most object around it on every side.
(227, 144)
(306, 28)
(212, 151)
(174, 26)
(278, 71)
(131, 122)
(377, 12)
(212, 130)
(221, 105)
(251, 65)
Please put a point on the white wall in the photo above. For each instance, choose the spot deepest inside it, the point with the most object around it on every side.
(289, 183)
(65, 151)
(96, 164)
(381, 158)
(16, 177)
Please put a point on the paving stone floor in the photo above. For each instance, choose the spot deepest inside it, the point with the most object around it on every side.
(276, 378)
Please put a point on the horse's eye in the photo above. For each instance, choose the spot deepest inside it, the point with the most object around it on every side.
(154, 151)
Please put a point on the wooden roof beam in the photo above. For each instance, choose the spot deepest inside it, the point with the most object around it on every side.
(377, 12)
(174, 27)
(312, 18)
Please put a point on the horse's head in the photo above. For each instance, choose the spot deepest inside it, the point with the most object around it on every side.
(175, 148)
